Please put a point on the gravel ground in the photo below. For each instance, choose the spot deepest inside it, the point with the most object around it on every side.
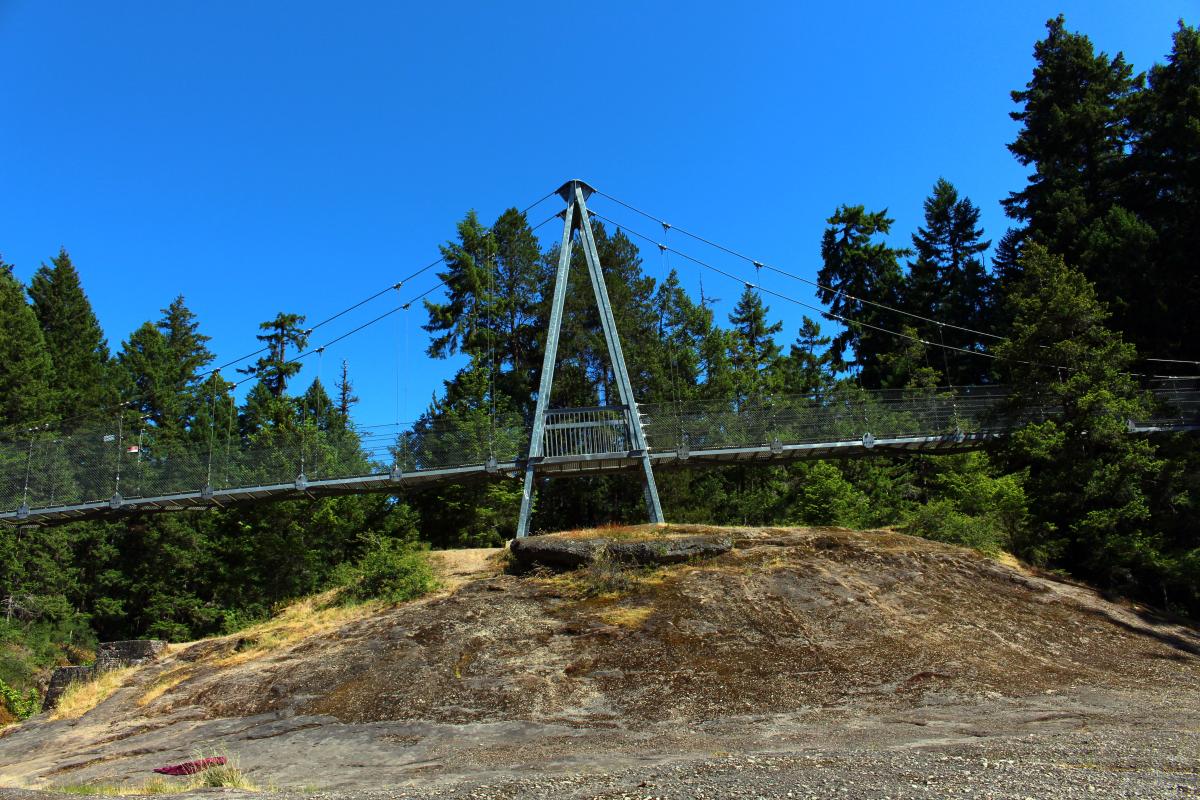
(1078, 765)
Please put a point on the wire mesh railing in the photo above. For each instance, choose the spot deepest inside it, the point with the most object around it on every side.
(586, 431)
(120, 458)
(843, 414)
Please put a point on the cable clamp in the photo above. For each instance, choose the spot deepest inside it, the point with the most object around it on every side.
(662, 248)
(666, 226)
(398, 285)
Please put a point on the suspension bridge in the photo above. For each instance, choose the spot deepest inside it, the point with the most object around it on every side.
(102, 468)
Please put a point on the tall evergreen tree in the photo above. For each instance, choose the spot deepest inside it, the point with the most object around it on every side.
(24, 361)
(1087, 479)
(346, 398)
(80, 381)
(493, 278)
(806, 370)
(947, 281)
(275, 368)
(188, 346)
(858, 268)
(1075, 134)
(1166, 167)
(150, 376)
(754, 355)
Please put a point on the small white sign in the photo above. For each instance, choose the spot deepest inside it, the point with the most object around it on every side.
(108, 437)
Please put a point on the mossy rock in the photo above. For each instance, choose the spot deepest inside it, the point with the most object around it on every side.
(560, 552)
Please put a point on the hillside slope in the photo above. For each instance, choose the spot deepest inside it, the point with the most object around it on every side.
(795, 639)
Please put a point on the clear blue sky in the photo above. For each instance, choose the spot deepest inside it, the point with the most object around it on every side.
(297, 156)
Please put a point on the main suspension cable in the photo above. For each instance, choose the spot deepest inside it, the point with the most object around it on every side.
(839, 317)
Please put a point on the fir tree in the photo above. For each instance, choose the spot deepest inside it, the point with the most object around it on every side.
(188, 346)
(753, 354)
(275, 369)
(947, 282)
(806, 370)
(24, 362)
(79, 382)
(1088, 481)
(347, 399)
(1074, 135)
(857, 268)
(1166, 166)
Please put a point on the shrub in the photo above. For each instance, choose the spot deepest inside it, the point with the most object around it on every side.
(603, 575)
(940, 521)
(20, 705)
(391, 570)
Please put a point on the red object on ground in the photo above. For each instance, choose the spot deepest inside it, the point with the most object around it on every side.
(192, 767)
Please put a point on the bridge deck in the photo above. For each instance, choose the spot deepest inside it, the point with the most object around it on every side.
(56, 478)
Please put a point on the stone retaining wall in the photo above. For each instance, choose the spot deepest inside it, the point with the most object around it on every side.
(109, 656)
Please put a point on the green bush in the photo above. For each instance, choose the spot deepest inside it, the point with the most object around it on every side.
(21, 705)
(942, 522)
(823, 496)
(391, 570)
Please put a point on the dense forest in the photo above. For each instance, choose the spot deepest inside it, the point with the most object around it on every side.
(1097, 274)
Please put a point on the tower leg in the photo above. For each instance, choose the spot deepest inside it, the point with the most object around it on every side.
(526, 504)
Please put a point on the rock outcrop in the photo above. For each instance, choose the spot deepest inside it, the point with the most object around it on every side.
(568, 552)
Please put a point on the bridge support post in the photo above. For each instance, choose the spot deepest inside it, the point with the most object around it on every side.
(575, 217)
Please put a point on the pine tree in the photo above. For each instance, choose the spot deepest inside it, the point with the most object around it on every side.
(806, 370)
(1075, 133)
(753, 354)
(1166, 167)
(347, 399)
(150, 377)
(947, 282)
(491, 312)
(855, 269)
(1088, 481)
(188, 346)
(275, 369)
(24, 361)
(79, 382)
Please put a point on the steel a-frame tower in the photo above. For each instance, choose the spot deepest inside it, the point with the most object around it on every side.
(576, 218)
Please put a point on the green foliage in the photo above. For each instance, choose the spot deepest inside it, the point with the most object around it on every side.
(858, 267)
(391, 570)
(822, 495)
(275, 369)
(79, 381)
(21, 705)
(947, 282)
(754, 355)
(941, 521)
(1089, 482)
(970, 504)
(24, 359)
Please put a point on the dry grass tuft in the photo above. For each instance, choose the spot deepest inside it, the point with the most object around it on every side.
(164, 683)
(82, 697)
(626, 616)
(229, 776)
(311, 616)
(621, 533)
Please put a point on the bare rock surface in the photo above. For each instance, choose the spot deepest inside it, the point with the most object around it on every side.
(568, 551)
(814, 661)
